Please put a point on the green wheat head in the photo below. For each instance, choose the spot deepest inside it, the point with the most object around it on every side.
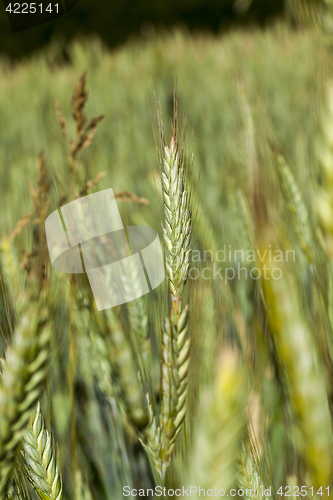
(177, 218)
(40, 459)
(22, 381)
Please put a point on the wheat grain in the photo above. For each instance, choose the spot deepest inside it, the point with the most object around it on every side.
(22, 381)
(16, 492)
(40, 460)
(219, 430)
(302, 374)
(177, 218)
(82, 491)
(249, 479)
(297, 208)
(175, 345)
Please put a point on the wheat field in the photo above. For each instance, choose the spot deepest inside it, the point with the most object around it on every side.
(222, 376)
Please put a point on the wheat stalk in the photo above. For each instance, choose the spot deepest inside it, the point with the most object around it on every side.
(249, 479)
(324, 199)
(219, 430)
(137, 317)
(175, 349)
(302, 375)
(177, 219)
(125, 373)
(22, 381)
(82, 491)
(40, 460)
(114, 364)
(138, 321)
(118, 365)
(297, 209)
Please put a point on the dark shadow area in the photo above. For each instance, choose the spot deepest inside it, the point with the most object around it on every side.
(116, 21)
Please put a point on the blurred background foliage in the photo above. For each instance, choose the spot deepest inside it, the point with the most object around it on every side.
(274, 66)
(243, 91)
(116, 21)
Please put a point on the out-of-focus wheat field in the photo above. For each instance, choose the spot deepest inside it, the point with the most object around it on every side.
(281, 72)
(259, 114)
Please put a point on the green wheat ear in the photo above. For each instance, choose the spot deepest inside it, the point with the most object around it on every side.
(175, 353)
(22, 382)
(220, 427)
(163, 429)
(118, 362)
(82, 491)
(296, 207)
(302, 375)
(177, 219)
(40, 460)
(249, 478)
